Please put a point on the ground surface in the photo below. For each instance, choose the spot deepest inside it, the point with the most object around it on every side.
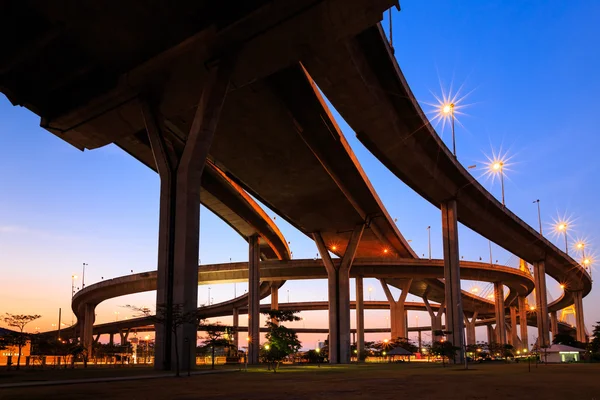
(388, 381)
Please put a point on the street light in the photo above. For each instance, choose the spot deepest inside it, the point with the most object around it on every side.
(429, 240)
(447, 110)
(539, 215)
(562, 226)
(83, 276)
(370, 290)
(498, 167)
(73, 278)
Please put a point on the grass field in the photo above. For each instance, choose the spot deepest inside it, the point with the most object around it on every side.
(383, 381)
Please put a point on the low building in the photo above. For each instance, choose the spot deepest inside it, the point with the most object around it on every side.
(12, 352)
(560, 353)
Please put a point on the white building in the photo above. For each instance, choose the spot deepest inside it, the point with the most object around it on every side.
(560, 353)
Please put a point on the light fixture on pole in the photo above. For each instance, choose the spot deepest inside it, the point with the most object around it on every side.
(539, 215)
(562, 226)
(498, 167)
(73, 277)
(83, 276)
(447, 109)
(429, 240)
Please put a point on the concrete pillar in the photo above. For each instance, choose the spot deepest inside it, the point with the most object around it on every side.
(454, 310)
(253, 300)
(87, 332)
(579, 320)
(180, 174)
(274, 297)
(500, 316)
(111, 339)
(523, 322)
(97, 338)
(514, 337)
(360, 318)
(399, 327)
(236, 324)
(491, 335)
(420, 341)
(541, 299)
(436, 319)
(124, 334)
(338, 279)
(554, 324)
(470, 328)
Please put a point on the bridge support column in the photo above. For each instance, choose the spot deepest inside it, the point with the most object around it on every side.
(579, 320)
(124, 334)
(274, 297)
(420, 342)
(236, 324)
(360, 319)
(338, 278)
(111, 339)
(253, 300)
(470, 328)
(87, 330)
(514, 337)
(491, 335)
(541, 300)
(500, 316)
(397, 312)
(436, 319)
(523, 322)
(454, 309)
(553, 324)
(180, 169)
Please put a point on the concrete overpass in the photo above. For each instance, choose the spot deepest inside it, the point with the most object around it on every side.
(159, 94)
(363, 81)
(390, 269)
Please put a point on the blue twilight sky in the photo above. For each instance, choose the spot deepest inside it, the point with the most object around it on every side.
(532, 69)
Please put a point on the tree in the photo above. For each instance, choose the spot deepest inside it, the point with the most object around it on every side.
(567, 340)
(443, 349)
(19, 321)
(403, 343)
(179, 317)
(215, 338)
(595, 342)
(281, 341)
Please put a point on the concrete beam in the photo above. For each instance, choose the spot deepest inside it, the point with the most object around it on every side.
(579, 319)
(541, 300)
(253, 300)
(500, 316)
(397, 311)
(360, 318)
(436, 319)
(338, 279)
(523, 322)
(454, 309)
(180, 174)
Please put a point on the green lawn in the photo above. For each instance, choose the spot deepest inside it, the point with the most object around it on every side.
(374, 381)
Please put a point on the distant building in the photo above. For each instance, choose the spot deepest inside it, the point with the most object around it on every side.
(560, 353)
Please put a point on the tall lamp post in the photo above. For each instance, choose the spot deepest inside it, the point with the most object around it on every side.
(429, 240)
(83, 276)
(562, 227)
(539, 215)
(498, 167)
(448, 110)
(73, 278)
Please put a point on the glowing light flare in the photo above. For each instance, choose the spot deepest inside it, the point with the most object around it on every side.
(563, 224)
(334, 247)
(385, 251)
(447, 106)
(496, 164)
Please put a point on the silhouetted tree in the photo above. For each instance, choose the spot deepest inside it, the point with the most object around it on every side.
(215, 338)
(19, 321)
(281, 341)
